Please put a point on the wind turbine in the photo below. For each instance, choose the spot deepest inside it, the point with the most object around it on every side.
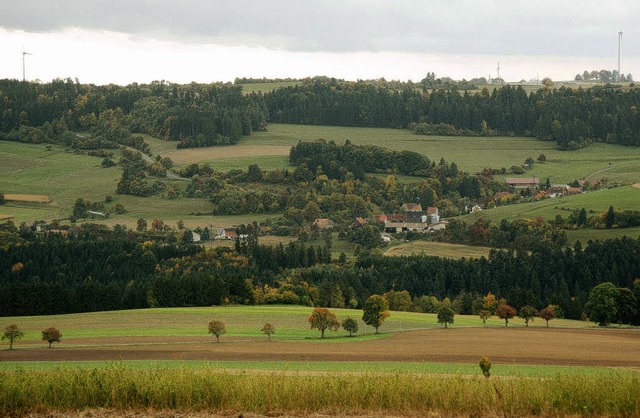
(619, 42)
(23, 70)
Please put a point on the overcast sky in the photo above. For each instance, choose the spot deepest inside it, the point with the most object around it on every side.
(122, 41)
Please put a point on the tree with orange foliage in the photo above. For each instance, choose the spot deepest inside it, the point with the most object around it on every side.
(506, 312)
(323, 319)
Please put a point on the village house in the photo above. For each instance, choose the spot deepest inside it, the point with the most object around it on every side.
(414, 219)
(226, 233)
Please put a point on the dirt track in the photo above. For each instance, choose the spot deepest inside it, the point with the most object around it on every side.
(594, 347)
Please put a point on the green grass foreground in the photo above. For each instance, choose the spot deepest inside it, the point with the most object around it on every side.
(123, 388)
(319, 367)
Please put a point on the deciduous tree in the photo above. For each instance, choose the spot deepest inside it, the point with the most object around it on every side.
(12, 333)
(484, 315)
(489, 303)
(445, 315)
(51, 335)
(217, 328)
(602, 306)
(547, 314)
(323, 319)
(350, 325)
(506, 312)
(527, 313)
(376, 310)
(268, 329)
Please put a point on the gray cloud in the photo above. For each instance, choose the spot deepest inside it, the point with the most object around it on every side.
(495, 27)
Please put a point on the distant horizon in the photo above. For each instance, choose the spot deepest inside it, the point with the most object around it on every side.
(118, 42)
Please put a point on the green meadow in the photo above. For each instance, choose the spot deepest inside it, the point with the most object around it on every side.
(241, 321)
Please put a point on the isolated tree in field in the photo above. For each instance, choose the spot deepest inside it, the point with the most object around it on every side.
(527, 313)
(485, 366)
(602, 306)
(268, 329)
(506, 312)
(217, 328)
(484, 315)
(445, 315)
(12, 333)
(350, 325)
(323, 319)
(547, 314)
(51, 335)
(376, 310)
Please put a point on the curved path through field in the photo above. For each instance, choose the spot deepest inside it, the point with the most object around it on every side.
(541, 346)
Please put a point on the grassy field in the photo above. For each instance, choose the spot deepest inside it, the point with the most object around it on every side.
(267, 87)
(521, 370)
(242, 321)
(622, 198)
(440, 249)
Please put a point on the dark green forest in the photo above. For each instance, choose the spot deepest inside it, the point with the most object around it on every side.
(94, 268)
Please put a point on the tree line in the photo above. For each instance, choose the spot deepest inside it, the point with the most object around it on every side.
(571, 117)
(195, 115)
(94, 269)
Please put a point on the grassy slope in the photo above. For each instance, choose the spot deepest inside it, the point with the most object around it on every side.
(241, 321)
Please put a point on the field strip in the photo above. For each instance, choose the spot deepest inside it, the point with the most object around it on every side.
(190, 155)
(35, 198)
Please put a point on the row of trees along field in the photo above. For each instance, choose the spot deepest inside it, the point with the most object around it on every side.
(193, 114)
(571, 117)
(94, 268)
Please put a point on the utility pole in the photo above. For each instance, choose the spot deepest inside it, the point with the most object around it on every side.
(24, 78)
(619, 42)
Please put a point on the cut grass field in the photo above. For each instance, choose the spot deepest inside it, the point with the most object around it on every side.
(439, 249)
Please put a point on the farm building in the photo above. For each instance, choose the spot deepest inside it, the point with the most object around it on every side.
(226, 233)
(523, 182)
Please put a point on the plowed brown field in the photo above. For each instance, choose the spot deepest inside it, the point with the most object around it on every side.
(540, 346)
